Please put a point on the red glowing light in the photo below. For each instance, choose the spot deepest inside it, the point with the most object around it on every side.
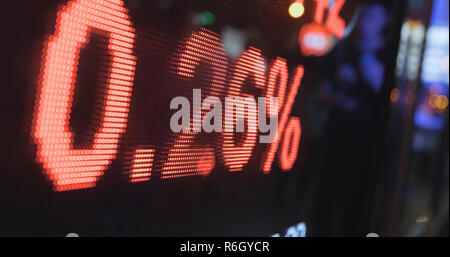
(186, 156)
(314, 39)
(278, 69)
(206, 164)
(269, 155)
(290, 143)
(334, 23)
(70, 168)
(321, 6)
(142, 165)
(237, 152)
(203, 46)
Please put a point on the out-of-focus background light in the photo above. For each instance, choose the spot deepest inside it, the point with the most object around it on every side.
(296, 9)
(437, 100)
(395, 95)
(204, 18)
(208, 18)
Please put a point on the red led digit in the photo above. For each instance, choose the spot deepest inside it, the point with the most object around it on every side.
(321, 6)
(66, 167)
(289, 144)
(187, 156)
(237, 152)
(205, 46)
(336, 24)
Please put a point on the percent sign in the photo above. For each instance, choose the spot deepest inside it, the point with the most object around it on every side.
(288, 127)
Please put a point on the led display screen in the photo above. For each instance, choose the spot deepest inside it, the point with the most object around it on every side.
(88, 109)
